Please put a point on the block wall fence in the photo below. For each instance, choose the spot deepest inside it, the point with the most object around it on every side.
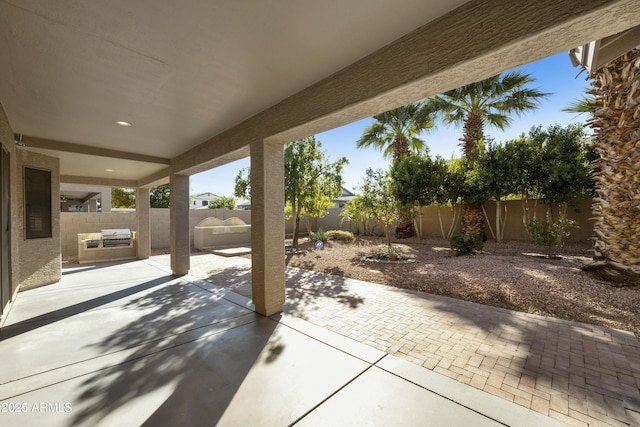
(72, 223)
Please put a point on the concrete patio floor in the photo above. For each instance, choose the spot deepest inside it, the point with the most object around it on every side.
(128, 344)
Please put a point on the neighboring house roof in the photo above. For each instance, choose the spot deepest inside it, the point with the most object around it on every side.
(205, 195)
(345, 197)
(347, 193)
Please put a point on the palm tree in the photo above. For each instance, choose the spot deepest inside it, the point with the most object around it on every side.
(490, 102)
(616, 120)
(395, 133)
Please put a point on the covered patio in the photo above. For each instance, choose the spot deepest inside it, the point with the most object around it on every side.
(130, 344)
(137, 94)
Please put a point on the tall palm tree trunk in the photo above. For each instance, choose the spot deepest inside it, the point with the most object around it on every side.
(473, 221)
(616, 120)
(404, 228)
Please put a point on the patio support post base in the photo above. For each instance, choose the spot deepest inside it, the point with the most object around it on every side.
(143, 221)
(267, 227)
(179, 224)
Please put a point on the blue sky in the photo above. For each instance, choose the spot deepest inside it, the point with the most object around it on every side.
(553, 75)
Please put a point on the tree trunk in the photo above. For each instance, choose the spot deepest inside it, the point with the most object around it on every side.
(400, 147)
(616, 122)
(473, 132)
(404, 229)
(473, 220)
(296, 227)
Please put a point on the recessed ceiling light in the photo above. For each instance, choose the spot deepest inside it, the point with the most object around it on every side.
(123, 123)
(108, 170)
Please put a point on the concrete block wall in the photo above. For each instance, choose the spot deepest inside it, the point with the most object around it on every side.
(514, 230)
(72, 223)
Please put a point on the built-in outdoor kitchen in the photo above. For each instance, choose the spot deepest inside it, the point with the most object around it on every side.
(108, 245)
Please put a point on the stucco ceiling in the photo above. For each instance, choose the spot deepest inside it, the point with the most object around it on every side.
(179, 72)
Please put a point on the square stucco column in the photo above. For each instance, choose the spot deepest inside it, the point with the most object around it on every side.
(179, 223)
(267, 227)
(143, 229)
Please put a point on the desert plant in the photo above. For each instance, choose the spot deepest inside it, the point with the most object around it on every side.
(392, 254)
(341, 235)
(550, 234)
(384, 252)
(466, 244)
(320, 235)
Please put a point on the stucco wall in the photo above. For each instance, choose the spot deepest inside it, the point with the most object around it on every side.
(7, 140)
(38, 261)
(34, 262)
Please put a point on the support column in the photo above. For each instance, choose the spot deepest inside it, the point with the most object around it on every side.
(143, 223)
(179, 223)
(267, 227)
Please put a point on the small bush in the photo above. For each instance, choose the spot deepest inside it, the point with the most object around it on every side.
(466, 244)
(341, 236)
(321, 235)
(550, 234)
(383, 252)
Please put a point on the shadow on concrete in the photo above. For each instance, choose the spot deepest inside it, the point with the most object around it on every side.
(63, 313)
(189, 353)
(82, 268)
(304, 287)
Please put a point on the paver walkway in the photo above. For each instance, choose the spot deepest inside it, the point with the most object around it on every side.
(578, 373)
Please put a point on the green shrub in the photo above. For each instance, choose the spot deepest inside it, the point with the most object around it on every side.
(321, 235)
(342, 236)
(550, 234)
(466, 244)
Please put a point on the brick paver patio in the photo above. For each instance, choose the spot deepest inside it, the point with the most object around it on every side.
(582, 374)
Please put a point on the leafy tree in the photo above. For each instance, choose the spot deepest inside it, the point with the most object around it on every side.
(494, 176)
(454, 189)
(379, 202)
(564, 172)
(356, 214)
(526, 161)
(310, 181)
(317, 208)
(309, 177)
(490, 102)
(418, 181)
(159, 196)
(395, 134)
(122, 198)
(242, 189)
(223, 202)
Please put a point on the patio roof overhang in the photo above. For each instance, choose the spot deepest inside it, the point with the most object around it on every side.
(201, 81)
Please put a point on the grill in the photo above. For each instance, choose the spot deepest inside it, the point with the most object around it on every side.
(116, 237)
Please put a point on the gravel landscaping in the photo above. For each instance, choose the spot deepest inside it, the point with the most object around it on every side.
(512, 275)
